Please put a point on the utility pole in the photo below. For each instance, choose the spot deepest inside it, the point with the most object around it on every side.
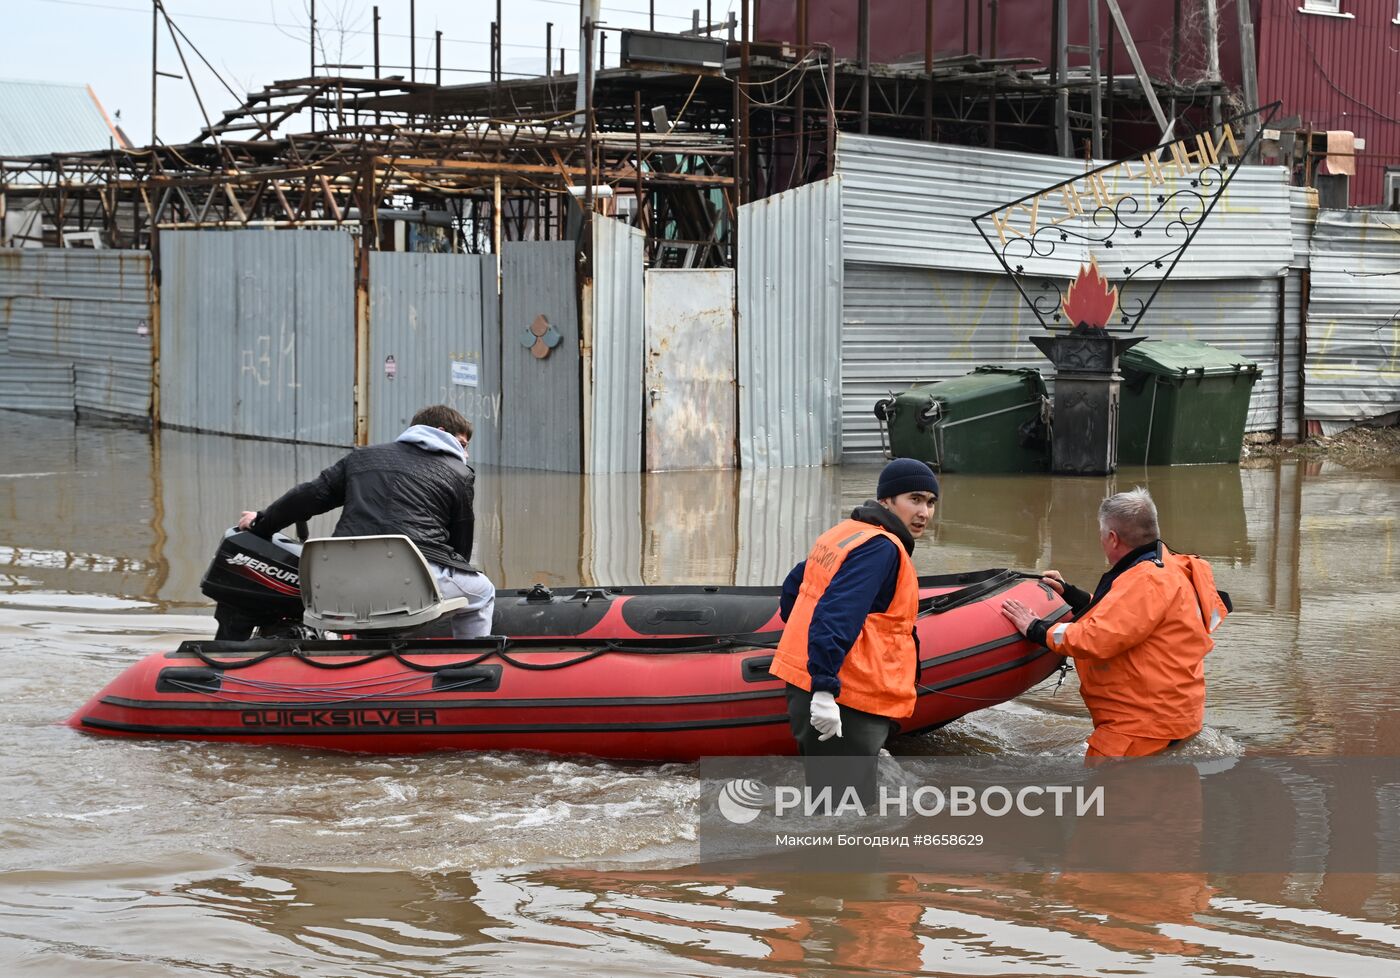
(155, 69)
(590, 12)
(1095, 96)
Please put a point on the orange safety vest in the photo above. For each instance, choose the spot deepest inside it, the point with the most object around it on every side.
(879, 671)
(1139, 651)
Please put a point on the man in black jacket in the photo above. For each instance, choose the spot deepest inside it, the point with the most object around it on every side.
(420, 486)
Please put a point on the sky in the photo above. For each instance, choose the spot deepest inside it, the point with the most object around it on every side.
(107, 44)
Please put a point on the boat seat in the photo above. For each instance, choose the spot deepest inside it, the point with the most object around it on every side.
(369, 584)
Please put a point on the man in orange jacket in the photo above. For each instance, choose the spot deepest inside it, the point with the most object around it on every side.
(849, 652)
(1139, 640)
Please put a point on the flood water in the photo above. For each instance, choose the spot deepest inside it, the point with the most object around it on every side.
(151, 859)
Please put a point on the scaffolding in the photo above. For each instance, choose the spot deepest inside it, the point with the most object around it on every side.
(673, 150)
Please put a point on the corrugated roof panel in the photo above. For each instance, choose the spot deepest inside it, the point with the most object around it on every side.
(1353, 347)
(50, 117)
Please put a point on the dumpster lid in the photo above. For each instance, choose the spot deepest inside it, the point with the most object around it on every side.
(983, 380)
(1177, 358)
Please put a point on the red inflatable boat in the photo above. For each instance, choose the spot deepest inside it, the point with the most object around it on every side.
(645, 673)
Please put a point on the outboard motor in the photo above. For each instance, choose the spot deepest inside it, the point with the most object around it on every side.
(256, 586)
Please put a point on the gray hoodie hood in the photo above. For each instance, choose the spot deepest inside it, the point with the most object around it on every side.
(432, 439)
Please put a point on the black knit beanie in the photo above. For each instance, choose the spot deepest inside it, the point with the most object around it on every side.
(906, 475)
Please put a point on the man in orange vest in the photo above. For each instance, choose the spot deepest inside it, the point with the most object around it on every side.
(849, 652)
(1139, 641)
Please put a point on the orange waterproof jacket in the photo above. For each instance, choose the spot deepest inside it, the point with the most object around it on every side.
(1139, 650)
(879, 672)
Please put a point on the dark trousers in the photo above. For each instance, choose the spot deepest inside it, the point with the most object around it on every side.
(850, 760)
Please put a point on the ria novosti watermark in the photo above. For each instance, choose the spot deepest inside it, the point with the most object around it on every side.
(988, 814)
(742, 799)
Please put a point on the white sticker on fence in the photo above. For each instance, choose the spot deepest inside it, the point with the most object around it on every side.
(464, 373)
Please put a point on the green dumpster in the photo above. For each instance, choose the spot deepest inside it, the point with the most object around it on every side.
(988, 421)
(1182, 402)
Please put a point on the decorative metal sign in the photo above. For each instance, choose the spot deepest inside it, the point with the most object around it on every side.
(1150, 206)
(540, 337)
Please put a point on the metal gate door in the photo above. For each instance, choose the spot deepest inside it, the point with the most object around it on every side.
(540, 403)
(433, 339)
(690, 387)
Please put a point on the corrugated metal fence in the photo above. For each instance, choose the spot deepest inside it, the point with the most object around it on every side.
(903, 326)
(258, 339)
(258, 334)
(847, 289)
(1353, 352)
(790, 284)
(430, 317)
(924, 299)
(540, 406)
(613, 397)
(75, 331)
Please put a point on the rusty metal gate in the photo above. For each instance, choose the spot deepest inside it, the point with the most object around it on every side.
(690, 369)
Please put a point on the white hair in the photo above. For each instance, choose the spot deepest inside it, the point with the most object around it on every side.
(1132, 515)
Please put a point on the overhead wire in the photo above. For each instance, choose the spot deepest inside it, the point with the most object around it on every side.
(195, 49)
(281, 30)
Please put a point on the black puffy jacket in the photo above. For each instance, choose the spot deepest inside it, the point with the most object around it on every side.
(395, 488)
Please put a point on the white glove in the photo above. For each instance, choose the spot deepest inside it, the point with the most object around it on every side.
(826, 716)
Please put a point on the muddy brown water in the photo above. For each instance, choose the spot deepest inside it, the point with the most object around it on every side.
(152, 859)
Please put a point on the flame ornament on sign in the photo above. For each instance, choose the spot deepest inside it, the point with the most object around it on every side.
(1090, 300)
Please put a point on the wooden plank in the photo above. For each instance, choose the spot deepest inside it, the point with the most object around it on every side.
(1144, 78)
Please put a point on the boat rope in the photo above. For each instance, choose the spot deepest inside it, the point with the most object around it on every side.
(396, 650)
(1061, 671)
(214, 693)
(973, 592)
(406, 677)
